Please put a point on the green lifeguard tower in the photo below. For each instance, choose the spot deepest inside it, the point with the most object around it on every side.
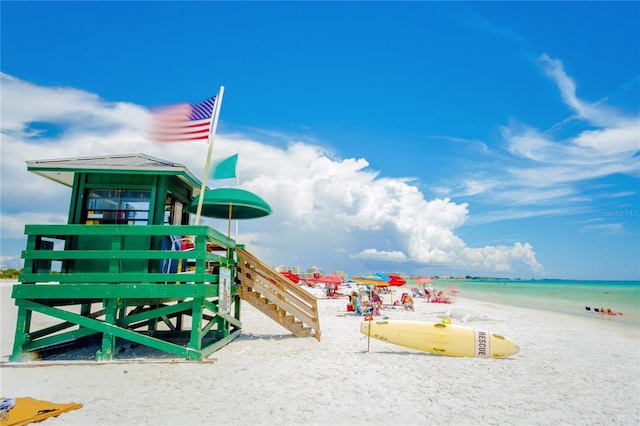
(130, 268)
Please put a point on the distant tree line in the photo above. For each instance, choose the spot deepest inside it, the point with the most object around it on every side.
(10, 274)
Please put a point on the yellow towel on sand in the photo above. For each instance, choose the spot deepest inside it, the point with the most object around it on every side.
(29, 410)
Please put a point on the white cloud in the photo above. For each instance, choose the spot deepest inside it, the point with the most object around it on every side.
(546, 172)
(597, 114)
(373, 254)
(325, 209)
(616, 137)
(605, 228)
(13, 224)
(623, 138)
(502, 258)
(474, 187)
(13, 262)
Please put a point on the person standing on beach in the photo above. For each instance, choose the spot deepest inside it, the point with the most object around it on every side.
(429, 291)
(375, 299)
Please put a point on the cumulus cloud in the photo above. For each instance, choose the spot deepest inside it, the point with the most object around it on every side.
(501, 258)
(326, 209)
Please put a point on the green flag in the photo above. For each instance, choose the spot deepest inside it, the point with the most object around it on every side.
(226, 168)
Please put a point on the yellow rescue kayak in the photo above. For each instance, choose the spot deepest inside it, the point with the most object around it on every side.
(441, 339)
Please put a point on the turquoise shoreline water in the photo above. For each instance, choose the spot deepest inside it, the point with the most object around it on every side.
(564, 296)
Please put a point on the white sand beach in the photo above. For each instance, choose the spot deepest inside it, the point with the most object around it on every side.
(570, 371)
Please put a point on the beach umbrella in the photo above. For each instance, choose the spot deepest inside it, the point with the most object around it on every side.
(230, 203)
(370, 279)
(327, 279)
(385, 277)
(377, 279)
(396, 281)
(330, 279)
(424, 281)
(380, 280)
(293, 277)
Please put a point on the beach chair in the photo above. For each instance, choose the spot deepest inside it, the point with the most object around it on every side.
(360, 309)
(367, 310)
(175, 243)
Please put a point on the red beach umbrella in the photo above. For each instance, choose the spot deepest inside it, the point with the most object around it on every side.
(327, 279)
(293, 277)
(396, 281)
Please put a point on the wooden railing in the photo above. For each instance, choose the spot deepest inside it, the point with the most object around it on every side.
(109, 282)
(122, 254)
(276, 296)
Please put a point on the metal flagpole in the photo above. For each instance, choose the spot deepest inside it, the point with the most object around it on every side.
(237, 185)
(212, 135)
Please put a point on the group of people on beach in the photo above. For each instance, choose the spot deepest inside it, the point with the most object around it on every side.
(370, 307)
(435, 296)
(432, 295)
(602, 311)
(374, 304)
(368, 301)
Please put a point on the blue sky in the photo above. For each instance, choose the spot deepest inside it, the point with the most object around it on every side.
(431, 138)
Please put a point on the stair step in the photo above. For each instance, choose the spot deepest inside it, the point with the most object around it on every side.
(253, 276)
(305, 332)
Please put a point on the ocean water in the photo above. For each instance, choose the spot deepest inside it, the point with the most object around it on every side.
(571, 297)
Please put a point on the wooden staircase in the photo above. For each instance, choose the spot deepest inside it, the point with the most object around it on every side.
(277, 297)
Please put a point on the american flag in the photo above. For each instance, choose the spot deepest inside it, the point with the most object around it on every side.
(183, 122)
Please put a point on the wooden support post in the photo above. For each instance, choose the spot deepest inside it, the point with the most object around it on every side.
(108, 339)
(153, 322)
(196, 324)
(23, 324)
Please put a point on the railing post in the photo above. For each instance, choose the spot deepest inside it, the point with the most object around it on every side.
(200, 246)
(32, 244)
(115, 265)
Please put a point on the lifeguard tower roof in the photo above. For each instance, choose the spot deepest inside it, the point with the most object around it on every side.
(63, 170)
